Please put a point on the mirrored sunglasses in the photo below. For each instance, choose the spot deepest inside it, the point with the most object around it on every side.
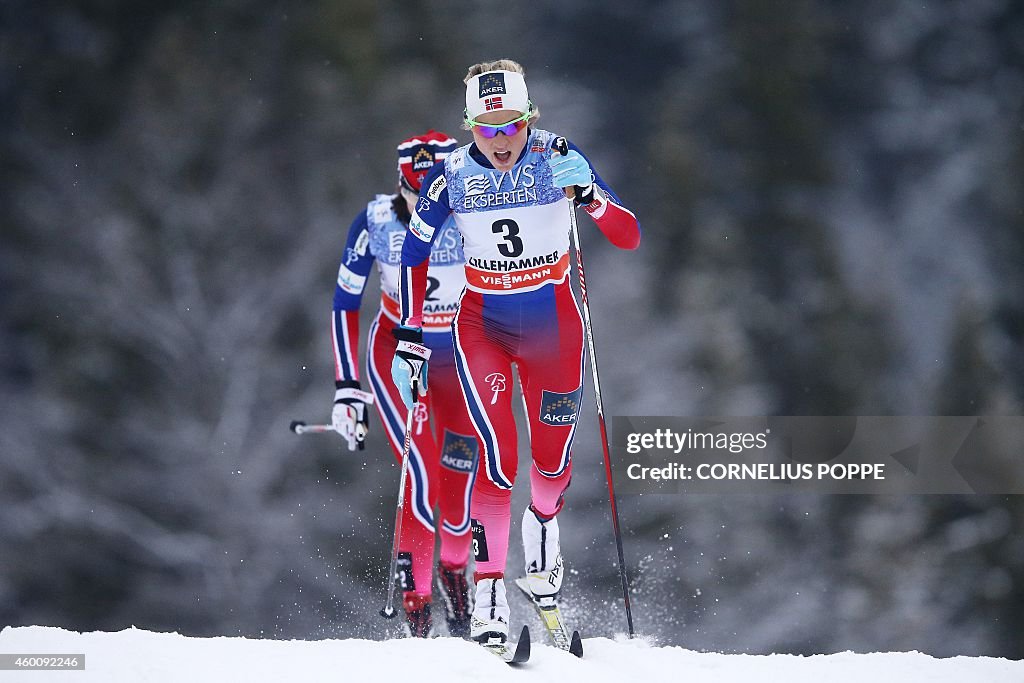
(509, 128)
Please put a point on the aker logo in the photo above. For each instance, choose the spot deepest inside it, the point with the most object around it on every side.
(475, 184)
(458, 452)
(560, 409)
(422, 160)
(492, 84)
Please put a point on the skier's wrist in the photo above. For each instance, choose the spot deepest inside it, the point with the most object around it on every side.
(592, 199)
(404, 333)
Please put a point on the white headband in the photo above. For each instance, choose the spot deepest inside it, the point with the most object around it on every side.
(496, 91)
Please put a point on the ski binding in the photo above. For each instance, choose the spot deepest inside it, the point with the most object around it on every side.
(551, 616)
(512, 655)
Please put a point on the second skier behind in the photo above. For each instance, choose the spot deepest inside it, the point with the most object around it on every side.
(440, 467)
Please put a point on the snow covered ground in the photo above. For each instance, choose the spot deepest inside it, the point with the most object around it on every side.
(133, 655)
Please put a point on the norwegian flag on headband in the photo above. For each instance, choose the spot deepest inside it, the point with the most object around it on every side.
(418, 154)
(496, 91)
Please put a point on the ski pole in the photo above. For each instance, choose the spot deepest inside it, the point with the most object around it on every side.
(388, 611)
(563, 148)
(300, 427)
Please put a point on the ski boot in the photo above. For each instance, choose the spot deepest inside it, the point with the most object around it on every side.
(489, 621)
(418, 622)
(455, 591)
(544, 568)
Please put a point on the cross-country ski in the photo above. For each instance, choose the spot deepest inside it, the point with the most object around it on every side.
(512, 654)
(551, 617)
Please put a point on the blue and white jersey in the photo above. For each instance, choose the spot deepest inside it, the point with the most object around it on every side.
(377, 235)
(514, 224)
(473, 187)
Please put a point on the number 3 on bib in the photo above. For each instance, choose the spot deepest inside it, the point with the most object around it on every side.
(509, 230)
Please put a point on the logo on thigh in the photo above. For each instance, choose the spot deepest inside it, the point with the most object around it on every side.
(560, 409)
(458, 452)
(498, 384)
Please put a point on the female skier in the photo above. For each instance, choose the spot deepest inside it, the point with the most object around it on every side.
(507, 191)
(440, 465)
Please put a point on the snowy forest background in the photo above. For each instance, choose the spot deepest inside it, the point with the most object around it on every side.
(833, 211)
